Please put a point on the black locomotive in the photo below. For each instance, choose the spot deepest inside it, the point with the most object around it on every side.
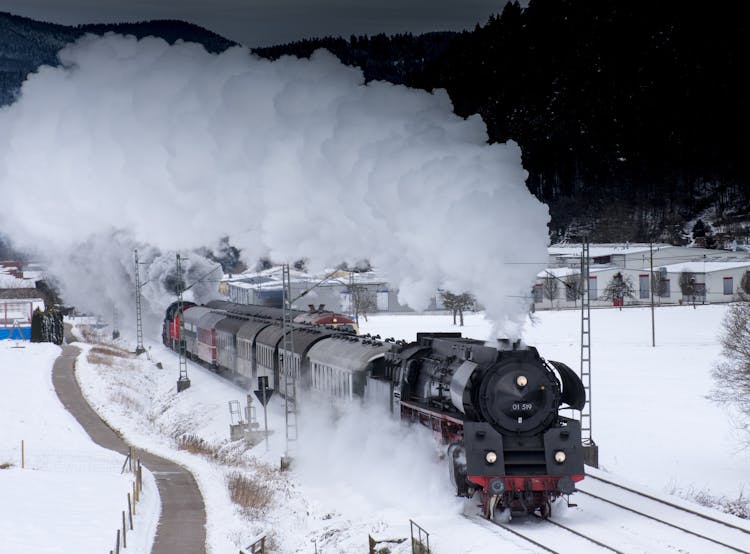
(498, 409)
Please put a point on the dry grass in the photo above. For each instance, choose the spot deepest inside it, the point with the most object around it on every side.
(251, 493)
(227, 454)
(196, 445)
(6, 465)
(738, 507)
(127, 401)
(103, 354)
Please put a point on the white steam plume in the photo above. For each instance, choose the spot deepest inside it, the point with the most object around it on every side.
(174, 147)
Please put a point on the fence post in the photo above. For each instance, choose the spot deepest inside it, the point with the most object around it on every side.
(418, 545)
(130, 512)
(135, 498)
(124, 532)
(117, 543)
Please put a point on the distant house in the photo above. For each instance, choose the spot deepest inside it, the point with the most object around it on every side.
(16, 308)
(332, 289)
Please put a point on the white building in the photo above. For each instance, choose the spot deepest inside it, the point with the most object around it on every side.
(332, 289)
(716, 274)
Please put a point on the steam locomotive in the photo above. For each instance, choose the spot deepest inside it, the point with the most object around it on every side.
(496, 407)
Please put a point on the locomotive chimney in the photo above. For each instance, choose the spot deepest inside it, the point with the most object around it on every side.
(320, 307)
(312, 307)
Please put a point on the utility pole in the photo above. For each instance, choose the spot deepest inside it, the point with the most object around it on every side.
(590, 449)
(115, 323)
(138, 313)
(286, 367)
(651, 287)
(182, 381)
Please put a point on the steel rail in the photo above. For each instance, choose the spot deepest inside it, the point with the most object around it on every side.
(667, 502)
(665, 522)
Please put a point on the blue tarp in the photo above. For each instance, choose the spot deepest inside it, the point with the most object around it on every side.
(12, 333)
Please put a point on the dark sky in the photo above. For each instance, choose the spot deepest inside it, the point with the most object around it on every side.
(265, 22)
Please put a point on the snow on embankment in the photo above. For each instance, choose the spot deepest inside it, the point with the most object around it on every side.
(70, 495)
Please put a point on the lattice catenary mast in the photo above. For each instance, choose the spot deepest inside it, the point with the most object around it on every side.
(590, 449)
(138, 313)
(182, 381)
(287, 366)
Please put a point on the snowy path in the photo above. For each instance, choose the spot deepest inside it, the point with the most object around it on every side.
(182, 522)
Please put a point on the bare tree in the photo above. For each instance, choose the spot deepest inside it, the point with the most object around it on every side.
(363, 301)
(732, 375)
(659, 285)
(573, 287)
(457, 303)
(745, 285)
(550, 289)
(687, 285)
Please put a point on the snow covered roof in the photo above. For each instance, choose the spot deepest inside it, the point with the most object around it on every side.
(20, 294)
(271, 278)
(558, 272)
(599, 250)
(706, 267)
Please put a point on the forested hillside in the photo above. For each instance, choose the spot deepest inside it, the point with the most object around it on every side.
(26, 44)
(631, 115)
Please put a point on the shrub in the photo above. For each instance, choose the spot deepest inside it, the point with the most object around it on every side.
(252, 493)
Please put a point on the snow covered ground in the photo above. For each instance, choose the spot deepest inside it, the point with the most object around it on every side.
(358, 473)
(70, 495)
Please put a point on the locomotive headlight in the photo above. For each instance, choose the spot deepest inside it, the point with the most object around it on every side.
(521, 381)
(491, 457)
(560, 456)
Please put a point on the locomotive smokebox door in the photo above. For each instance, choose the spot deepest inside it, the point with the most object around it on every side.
(563, 451)
(484, 449)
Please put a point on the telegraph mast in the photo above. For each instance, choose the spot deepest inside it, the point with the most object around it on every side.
(590, 449)
(286, 366)
(138, 313)
(182, 381)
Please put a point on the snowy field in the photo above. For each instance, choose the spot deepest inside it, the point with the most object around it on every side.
(357, 473)
(70, 495)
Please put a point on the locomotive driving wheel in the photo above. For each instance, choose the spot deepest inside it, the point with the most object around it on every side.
(545, 509)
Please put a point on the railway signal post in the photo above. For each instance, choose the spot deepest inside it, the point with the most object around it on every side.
(264, 395)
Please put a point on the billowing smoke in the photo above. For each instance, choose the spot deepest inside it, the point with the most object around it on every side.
(134, 142)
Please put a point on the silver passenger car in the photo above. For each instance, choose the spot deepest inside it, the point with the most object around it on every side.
(246, 347)
(304, 337)
(191, 318)
(226, 342)
(267, 354)
(340, 365)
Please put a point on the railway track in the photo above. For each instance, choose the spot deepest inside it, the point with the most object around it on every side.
(715, 531)
(612, 517)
